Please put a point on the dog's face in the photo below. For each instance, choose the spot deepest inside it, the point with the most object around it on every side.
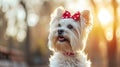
(68, 35)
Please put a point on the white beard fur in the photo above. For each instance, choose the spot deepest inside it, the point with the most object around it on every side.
(79, 60)
(77, 41)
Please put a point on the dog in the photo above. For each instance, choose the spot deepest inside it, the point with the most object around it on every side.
(67, 38)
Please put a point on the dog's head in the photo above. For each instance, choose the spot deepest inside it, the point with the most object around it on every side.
(68, 33)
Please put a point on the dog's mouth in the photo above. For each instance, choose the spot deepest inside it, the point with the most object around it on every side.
(62, 39)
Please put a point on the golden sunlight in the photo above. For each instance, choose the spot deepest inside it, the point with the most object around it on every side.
(109, 33)
(104, 16)
(118, 33)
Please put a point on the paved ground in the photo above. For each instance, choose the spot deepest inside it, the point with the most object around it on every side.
(12, 64)
(40, 66)
(4, 63)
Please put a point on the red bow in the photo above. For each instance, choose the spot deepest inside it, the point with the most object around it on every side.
(67, 14)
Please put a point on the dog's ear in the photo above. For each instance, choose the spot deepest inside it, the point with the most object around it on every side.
(57, 13)
(86, 15)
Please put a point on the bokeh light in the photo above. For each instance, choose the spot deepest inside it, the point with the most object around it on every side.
(109, 33)
(105, 16)
(32, 19)
(118, 32)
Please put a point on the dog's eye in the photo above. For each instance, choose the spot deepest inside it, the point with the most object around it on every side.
(59, 25)
(70, 26)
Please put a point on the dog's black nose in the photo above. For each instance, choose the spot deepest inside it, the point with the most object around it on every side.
(60, 31)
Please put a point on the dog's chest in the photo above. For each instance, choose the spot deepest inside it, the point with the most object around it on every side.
(66, 61)
(70, 62)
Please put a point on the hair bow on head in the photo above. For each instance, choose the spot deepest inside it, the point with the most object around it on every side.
(75, 16)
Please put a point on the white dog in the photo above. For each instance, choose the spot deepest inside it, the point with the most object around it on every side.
(67, 38)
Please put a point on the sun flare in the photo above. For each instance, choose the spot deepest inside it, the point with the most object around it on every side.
(104, 16)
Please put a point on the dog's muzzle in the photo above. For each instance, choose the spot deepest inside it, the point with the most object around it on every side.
(61, 36)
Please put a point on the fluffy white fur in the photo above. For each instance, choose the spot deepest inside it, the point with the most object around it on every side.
(76, 39)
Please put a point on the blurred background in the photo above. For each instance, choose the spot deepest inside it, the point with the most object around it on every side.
(24, 28)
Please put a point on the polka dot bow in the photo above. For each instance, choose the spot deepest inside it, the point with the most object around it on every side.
(75, 16)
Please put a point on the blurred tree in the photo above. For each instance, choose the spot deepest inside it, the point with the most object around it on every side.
(98, 34)
(27, 40)
(3, 26)
(112, 45)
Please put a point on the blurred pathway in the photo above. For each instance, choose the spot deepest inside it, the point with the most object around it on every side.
(5, 63)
